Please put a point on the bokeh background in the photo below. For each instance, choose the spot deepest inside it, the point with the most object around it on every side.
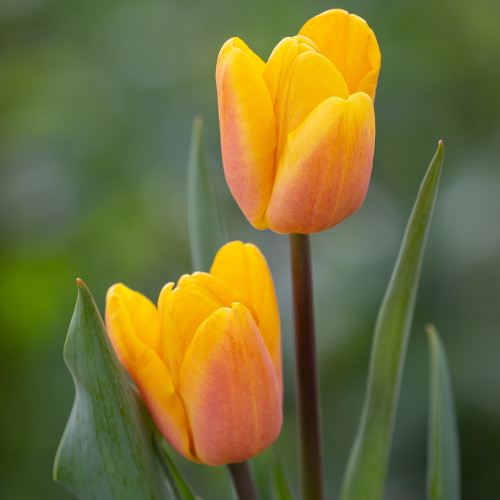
(96, 104)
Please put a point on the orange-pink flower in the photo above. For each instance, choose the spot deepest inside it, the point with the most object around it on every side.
(298, 132)
(207, 359)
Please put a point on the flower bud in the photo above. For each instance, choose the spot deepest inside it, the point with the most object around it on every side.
(298, 132)
(207, 359)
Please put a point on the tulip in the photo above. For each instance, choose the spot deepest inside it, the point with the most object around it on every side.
(298, 132)
(207, 360)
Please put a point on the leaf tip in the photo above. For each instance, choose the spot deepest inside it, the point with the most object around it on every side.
(83, 290)
(440, 150)
(197, 131)
(430, 328)
(198, 121)
(432, 334)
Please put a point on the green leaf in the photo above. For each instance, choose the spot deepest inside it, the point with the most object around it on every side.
(279, 479)
(206, 227)
(105, 451)
(232, 490)
(367, 466)
(180, 488)
(443, 461)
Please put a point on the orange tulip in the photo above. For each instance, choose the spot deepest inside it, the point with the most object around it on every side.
(207, 360)
(298, 132)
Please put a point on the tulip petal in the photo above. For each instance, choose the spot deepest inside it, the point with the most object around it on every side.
(272, 70)
(350, 44)
(324, 172)
(221, 291)
(189, 306)
(314, 80)
(274, 65)
(307, 79)
(244, 267)
(230, 389)
(149, 373)
(163, 308)
(247, 127)
(143, 315)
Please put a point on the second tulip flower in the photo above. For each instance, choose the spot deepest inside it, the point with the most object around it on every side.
(207, 359)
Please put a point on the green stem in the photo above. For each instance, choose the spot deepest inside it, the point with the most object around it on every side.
(242, 480)
(307, 398)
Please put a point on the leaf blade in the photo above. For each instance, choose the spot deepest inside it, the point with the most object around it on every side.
(206, 227)
(443, 459)
(105, 451)
(281, 486)
(364, 477)
(179, 486)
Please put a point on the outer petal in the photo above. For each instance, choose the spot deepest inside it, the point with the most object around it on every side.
(163, 308)
(244, 267)
(248, 129)
(350, 44)
(143, 315)
(149, 373)
(324, 172)
(230, 389)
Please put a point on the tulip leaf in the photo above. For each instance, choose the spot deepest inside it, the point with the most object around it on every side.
(177, 486)
(280, 482)
(232, 490)
(206, 227)
(180, 489)
(105, 451)
(367, 466)
(443, 461)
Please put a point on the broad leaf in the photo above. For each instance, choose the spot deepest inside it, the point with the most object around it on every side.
(105, 451)
(366, 470)
(443, 461)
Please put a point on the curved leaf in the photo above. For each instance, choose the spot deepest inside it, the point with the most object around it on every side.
(105, 451)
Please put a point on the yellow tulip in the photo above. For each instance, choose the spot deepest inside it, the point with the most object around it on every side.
(207, 359)
(298, 132)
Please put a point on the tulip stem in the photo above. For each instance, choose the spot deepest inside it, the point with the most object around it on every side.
(242, 480)
(307, 398)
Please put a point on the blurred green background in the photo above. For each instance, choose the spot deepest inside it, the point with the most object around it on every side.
(96, 104)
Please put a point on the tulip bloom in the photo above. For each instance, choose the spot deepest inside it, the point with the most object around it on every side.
(207, 360)
(298, 132)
